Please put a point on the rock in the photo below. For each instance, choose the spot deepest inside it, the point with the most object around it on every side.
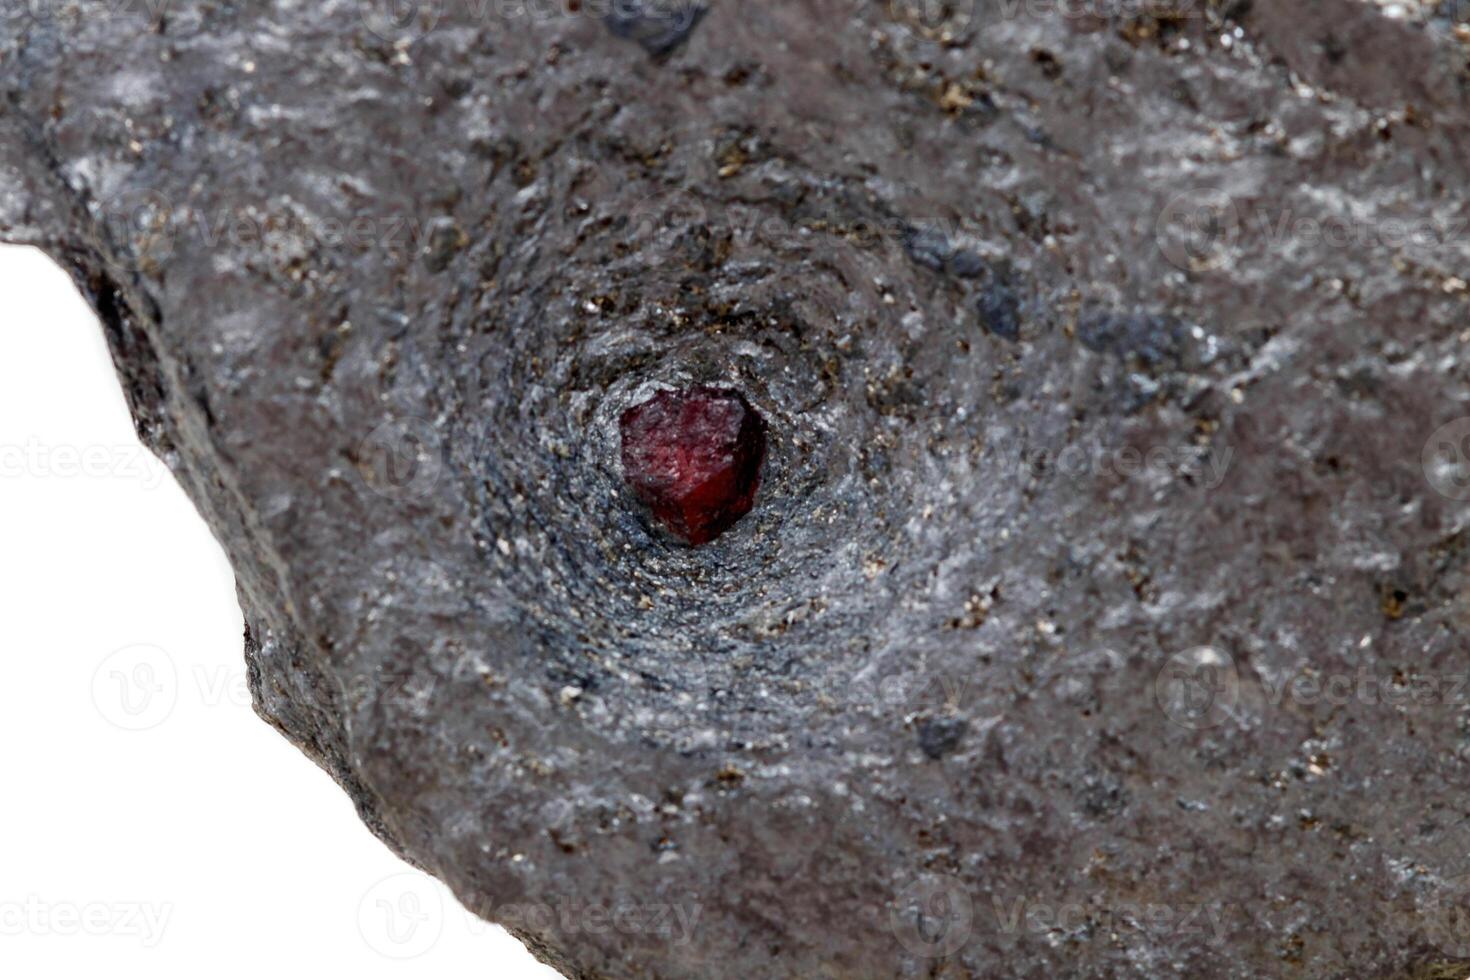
(940, 736)
(659, 26)
(1119, 634)
(999, 308)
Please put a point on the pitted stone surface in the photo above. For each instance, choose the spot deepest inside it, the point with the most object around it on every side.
(1100, 358)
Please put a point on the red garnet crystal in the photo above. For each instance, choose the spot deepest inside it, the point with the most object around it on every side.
(694, 458)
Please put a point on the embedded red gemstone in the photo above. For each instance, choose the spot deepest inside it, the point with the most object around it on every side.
(693, 457)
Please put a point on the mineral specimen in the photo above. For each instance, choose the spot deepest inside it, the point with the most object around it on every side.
(1103, 609)
(694, 457)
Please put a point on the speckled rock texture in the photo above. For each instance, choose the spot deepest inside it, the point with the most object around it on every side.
(1104, 609)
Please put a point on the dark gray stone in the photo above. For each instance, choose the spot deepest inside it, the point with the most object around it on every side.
(1110, 629)
(659, 26)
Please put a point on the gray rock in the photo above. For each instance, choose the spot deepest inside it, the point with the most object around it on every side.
(1110, 625)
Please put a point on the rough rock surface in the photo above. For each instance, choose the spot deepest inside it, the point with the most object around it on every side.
(1104, 608)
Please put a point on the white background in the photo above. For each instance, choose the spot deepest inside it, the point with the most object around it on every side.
(150, 824)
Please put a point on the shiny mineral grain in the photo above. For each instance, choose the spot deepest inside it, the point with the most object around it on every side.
(693, 457)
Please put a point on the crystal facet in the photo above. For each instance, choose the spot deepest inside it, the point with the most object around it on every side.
(693, 457)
